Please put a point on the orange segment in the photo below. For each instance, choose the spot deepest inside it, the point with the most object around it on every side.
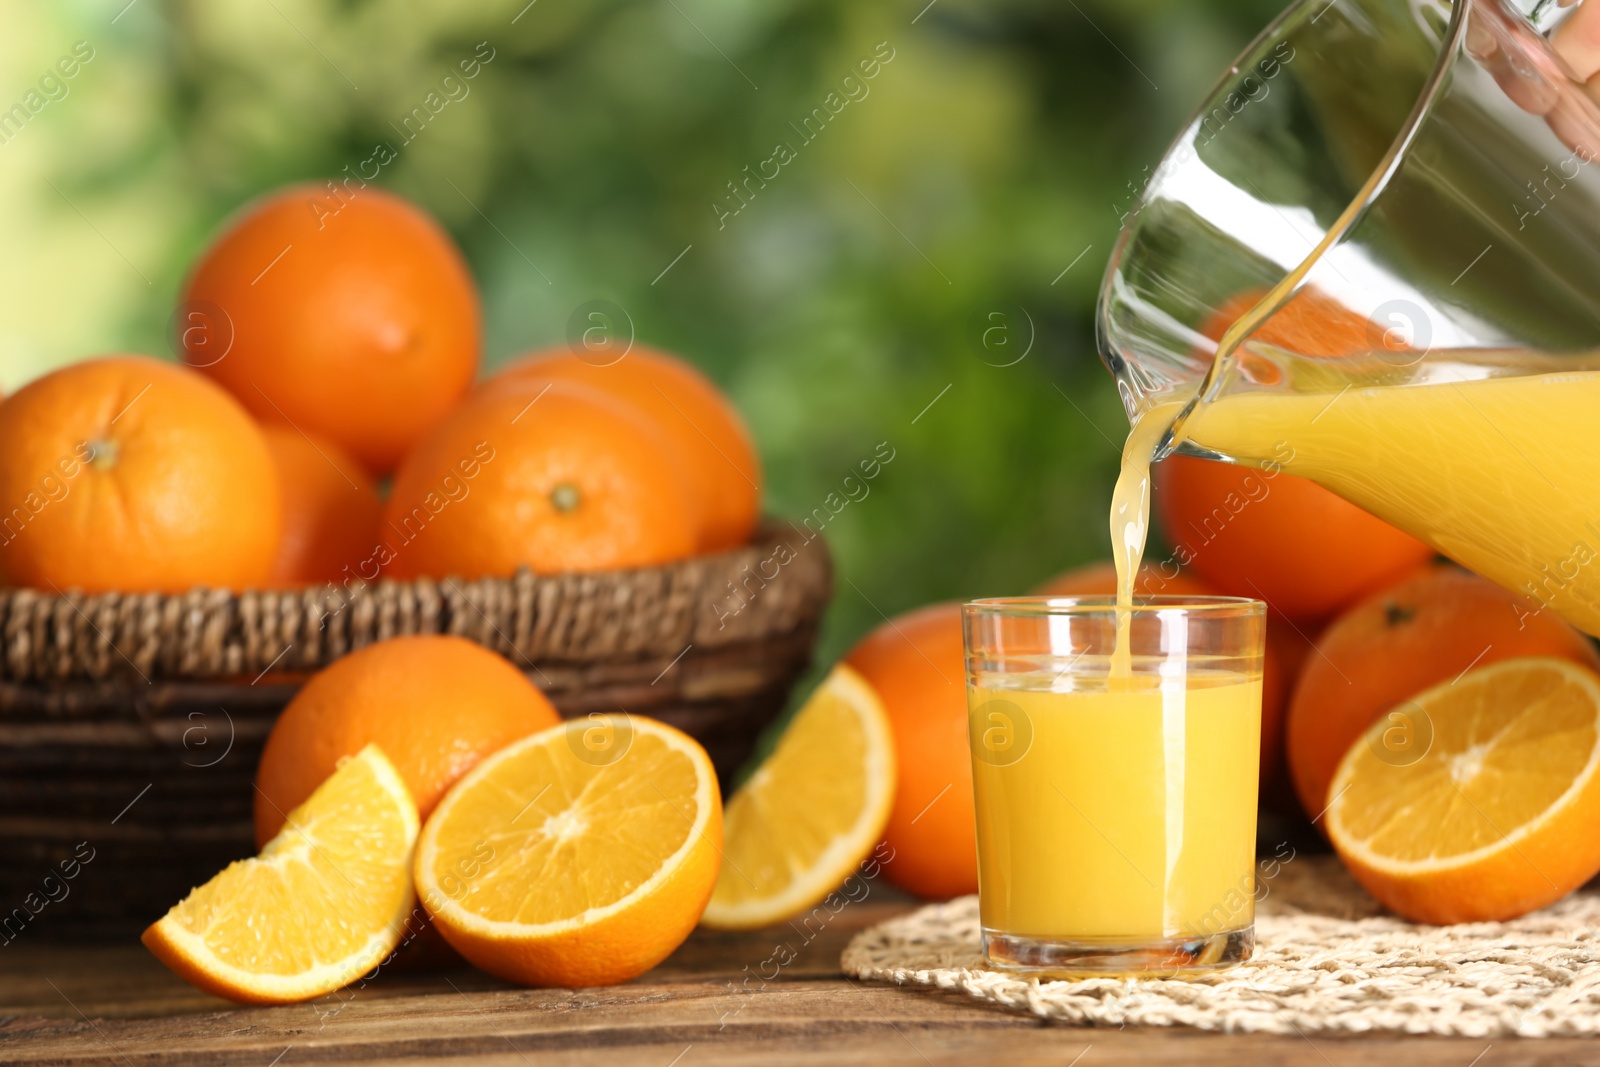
(582, 855)
(1478, 799)
(806, 818)
(323, 904)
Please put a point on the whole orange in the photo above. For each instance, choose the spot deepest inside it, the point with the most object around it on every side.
(1310, 323)
(553, 476)
(917, 665)
(1277, 537)
(350, 317)
(1286, 647)
(128, 473)
(1289, 646)
(1429, 629)
(434, 704)
(331, 510)
(708, 439)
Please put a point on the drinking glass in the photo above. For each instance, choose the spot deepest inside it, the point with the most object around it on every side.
(1114, 763)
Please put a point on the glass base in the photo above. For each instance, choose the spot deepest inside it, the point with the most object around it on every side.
(1176, 957)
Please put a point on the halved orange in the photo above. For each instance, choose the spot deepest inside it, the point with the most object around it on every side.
(1480, 798)
(581, 855)
(324, 903)
(804, 821)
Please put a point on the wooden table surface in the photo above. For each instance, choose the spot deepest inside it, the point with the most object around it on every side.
(70, 1004)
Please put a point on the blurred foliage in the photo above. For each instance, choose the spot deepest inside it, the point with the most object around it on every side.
(999, 145)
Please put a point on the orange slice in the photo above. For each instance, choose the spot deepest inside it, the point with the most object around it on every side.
(581, 855)
(325, 902)
(1478, 799)
(806, 818)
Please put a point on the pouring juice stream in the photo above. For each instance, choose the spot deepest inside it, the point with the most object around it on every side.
(1130, 520)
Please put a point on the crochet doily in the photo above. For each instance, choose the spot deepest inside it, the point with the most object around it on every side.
(1327, 959)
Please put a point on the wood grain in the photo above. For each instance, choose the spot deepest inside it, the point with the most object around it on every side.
(708, 1004)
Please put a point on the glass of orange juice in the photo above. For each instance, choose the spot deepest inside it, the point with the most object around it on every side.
(1114, 761)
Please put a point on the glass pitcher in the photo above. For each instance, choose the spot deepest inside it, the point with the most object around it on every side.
(1373, 258)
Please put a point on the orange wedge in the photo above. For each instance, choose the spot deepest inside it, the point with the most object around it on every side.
(1478, 799)
(581, 855)
(325, 902)
(804, 821)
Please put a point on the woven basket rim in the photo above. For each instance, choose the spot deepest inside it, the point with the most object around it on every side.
(776, 581)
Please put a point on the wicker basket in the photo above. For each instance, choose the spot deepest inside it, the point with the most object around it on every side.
(133, 724)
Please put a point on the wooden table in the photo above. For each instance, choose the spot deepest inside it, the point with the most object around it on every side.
(63, 1004)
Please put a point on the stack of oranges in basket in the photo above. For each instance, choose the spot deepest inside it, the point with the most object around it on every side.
(330, 343)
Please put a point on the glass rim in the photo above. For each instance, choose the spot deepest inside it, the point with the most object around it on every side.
(1370, 190)
(1105, 603)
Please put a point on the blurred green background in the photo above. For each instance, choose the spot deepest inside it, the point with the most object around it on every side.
(995, 149)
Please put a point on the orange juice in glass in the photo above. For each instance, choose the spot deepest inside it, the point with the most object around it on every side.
(1116, 794)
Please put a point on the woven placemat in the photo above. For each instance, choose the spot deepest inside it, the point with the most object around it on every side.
(1328, 960)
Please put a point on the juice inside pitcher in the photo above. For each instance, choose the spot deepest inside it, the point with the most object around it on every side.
(1491, 462)
(1501, 474)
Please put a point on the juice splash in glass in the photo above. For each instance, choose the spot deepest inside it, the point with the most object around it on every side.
(1115, 781)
